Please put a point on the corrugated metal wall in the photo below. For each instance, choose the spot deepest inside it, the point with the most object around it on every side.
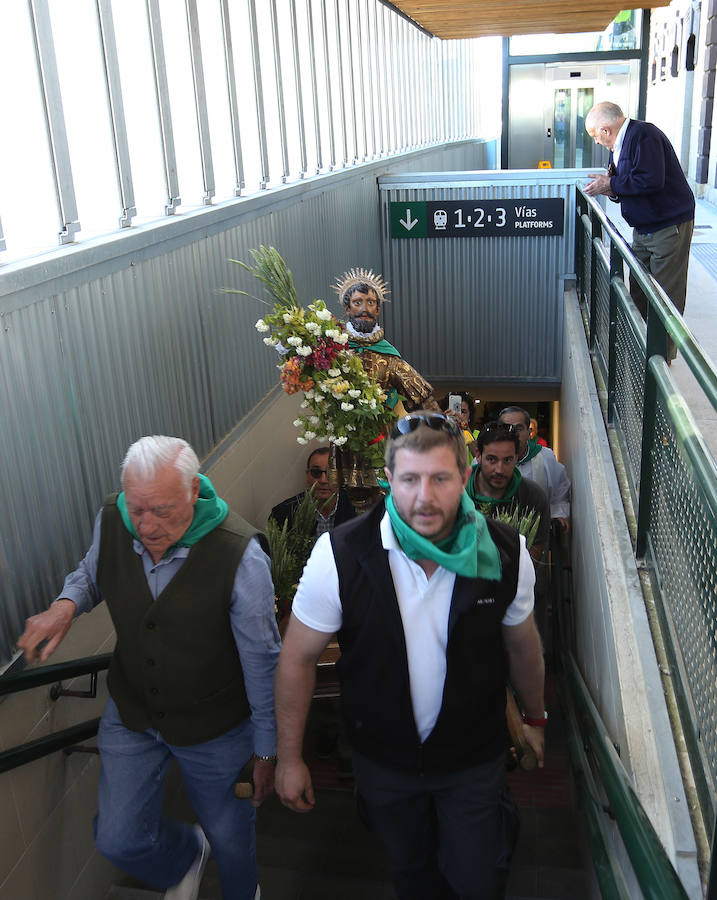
(479, 309)
(104, 343)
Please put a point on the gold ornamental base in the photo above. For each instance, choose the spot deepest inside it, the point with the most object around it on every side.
(349, 471)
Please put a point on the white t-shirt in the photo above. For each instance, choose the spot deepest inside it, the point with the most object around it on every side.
(424, 604)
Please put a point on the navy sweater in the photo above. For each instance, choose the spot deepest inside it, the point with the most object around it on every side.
(650, 185)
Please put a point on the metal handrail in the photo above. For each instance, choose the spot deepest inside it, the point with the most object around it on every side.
(44, 746)
(697, 360)
(58, 740)
(646, 463)
(32, 678)
(653, 868)
(688, 434)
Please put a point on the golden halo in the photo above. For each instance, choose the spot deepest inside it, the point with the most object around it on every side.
(359, 276)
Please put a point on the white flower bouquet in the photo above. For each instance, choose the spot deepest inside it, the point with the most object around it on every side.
(343, 404)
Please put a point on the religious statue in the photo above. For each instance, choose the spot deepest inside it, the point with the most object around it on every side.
(362, 293)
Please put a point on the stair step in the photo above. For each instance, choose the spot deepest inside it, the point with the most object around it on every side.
(130, 893)
(117, 892)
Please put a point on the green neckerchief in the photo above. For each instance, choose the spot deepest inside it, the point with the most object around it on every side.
(510, 491)
(468, 550)
(534, 449)
(381, 346)
(386, 349)
(209, 512)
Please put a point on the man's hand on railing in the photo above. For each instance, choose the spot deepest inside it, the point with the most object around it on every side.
(50, 626)
(600, 184)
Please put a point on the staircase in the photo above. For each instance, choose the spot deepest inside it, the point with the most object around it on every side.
(328, 853)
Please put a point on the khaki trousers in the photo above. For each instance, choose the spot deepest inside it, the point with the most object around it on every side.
(665, 254)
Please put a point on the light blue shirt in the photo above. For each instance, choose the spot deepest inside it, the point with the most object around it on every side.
(251, 617)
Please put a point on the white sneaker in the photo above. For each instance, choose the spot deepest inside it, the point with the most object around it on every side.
(257, 896)
(188, 887)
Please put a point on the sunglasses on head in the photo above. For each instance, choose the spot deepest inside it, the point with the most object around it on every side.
(436, 421)
(316, 471)
(500, 426)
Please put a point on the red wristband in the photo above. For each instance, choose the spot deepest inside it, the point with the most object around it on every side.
(536, 723)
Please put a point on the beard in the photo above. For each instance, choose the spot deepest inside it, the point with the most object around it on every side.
(364, 324)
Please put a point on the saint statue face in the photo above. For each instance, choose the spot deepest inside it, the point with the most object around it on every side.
(363, 310)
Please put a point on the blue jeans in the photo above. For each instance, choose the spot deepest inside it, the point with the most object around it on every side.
(130, 829)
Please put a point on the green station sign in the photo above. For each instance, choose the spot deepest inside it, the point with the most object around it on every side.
(478, 218)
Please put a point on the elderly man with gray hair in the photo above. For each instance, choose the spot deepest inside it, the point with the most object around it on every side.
(189, 589)
(645, 177)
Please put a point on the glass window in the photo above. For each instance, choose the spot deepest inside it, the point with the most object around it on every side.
(28, 204)
(623, 33)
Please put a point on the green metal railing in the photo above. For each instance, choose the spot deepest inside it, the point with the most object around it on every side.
(671, 473)
(58, 740)
(591, 749)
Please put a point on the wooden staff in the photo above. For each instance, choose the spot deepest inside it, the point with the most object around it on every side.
(244, 787)
(244, 790)
(526, 755)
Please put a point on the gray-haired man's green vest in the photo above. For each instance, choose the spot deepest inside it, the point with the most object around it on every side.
(176, 666)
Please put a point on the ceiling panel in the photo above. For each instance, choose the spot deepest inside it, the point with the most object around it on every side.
(452, 19)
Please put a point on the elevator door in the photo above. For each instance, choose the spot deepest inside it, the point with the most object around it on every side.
(572, 145)
(547, 108)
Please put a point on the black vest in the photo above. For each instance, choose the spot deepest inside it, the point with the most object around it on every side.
(175, 666)
(373, 668)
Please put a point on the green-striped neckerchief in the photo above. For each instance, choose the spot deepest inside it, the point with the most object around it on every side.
(209, 512)
(381, 346)
(534, 449)
(510, 491)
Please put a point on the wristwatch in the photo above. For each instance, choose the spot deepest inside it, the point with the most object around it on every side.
(536, 723)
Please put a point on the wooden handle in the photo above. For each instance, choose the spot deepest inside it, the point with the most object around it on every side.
(244, 790)
(526, 755)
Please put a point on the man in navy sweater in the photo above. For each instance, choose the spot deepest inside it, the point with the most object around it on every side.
(645, 177)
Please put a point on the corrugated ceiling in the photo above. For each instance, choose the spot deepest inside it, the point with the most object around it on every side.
(451, 19)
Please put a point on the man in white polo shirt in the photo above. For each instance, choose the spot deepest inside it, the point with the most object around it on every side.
(433, 607)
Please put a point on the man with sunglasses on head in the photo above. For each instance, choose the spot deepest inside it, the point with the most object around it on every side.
(433, 607)
(540, 464)
(332, 508)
